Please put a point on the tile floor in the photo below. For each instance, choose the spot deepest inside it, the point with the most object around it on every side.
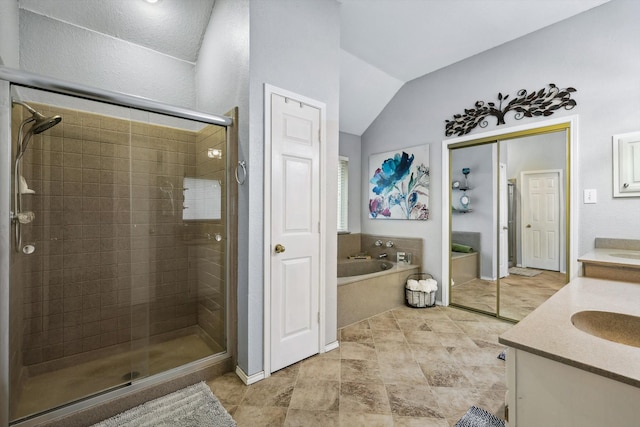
(405, 367)
(519, 295)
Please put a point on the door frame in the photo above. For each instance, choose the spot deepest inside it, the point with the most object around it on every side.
(571, 122)
(267, 244)
(561, 216)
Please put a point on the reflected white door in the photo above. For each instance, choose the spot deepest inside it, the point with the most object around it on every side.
(295, 207)
(504, 223)
(541, 220)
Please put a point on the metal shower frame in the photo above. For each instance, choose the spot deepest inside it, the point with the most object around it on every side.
(9, 76)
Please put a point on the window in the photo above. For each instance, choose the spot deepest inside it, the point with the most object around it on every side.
(343, 194)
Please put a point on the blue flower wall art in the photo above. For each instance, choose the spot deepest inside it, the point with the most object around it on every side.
(399, 184)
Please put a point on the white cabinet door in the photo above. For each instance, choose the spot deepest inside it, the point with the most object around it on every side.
(626, 165)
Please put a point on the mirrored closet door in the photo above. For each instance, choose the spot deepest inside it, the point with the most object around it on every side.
(509, 220)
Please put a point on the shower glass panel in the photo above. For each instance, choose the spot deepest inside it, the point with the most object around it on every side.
(120, 270)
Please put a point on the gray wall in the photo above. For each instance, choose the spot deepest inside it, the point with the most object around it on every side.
(294, 46)
(596, 52)
(350, 146)
(222, 79)
(9, 42)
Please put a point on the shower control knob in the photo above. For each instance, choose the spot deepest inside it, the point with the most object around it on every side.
(25, 217)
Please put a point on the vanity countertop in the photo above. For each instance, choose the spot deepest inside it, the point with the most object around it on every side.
(548, 331)
(612, 257)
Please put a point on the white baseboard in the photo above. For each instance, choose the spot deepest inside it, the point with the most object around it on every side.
(249, 379)
(331, 346)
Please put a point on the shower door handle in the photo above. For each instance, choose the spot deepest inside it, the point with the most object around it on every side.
(279, 248)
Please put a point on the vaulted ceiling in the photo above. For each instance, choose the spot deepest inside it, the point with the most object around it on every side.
(385, 43)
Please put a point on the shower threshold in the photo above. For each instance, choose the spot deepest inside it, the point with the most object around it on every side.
(53, 389)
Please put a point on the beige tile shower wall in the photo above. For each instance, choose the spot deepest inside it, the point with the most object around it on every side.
(348, 245)
(106, 236)
(210, 261)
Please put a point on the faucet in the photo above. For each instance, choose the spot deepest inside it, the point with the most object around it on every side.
(382, 255)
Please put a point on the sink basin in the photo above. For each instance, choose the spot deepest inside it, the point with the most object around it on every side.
(626, 255)
(616, 327)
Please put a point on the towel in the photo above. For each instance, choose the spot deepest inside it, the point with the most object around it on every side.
(428, 285)
(412, 285)
(457, 247)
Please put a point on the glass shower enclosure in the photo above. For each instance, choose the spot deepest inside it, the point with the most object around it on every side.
(115, 245)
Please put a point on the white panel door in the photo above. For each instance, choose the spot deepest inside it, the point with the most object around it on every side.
(295, 234)
(541, 220)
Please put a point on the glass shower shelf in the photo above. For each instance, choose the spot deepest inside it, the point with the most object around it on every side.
(456, 210)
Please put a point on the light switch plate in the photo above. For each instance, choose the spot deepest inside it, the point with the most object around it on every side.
(590, 196)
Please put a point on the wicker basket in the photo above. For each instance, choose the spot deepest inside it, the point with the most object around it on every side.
(419, 299)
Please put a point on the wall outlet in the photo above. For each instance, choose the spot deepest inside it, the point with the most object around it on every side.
(400, 257)
(590, 196)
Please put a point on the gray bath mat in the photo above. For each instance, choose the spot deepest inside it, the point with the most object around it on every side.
(478, 417)
(519, 271)
(193, 406)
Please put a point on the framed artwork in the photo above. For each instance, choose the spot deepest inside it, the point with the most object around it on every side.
(399, 184)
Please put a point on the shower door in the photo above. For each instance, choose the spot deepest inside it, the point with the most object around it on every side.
(118, 261)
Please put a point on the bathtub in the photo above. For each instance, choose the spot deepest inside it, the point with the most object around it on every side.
(370, 287)
(464, 267)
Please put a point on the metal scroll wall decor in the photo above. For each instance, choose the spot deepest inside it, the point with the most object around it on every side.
(538, 103)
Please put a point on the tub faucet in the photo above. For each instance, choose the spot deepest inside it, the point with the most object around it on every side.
(382, 255)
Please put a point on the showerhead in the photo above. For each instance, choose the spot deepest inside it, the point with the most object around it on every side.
(41, 122)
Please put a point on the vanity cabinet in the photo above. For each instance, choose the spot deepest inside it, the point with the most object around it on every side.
(553, 394)
(626, 165)
(560, 374)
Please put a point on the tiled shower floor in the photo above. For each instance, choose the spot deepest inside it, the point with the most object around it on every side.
(52, 389)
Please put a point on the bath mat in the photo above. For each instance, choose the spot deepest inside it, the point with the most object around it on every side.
(193, 406)
(478, 417)
(529, 272)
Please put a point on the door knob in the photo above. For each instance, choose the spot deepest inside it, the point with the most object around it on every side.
(505, 227)
(528, 225)
(279, 248)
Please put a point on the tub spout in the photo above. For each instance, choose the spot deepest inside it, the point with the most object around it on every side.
(382, 255)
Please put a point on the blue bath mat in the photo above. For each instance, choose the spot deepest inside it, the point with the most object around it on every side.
(478, 417)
